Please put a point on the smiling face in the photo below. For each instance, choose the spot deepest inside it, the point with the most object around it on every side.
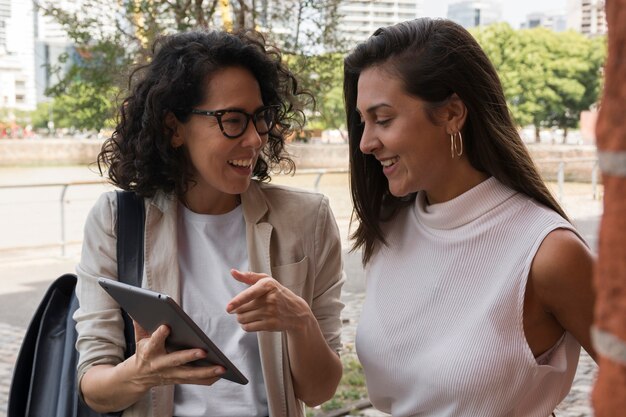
(222, 166)
(413, 151)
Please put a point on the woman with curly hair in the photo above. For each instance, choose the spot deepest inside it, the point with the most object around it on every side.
(198, 136)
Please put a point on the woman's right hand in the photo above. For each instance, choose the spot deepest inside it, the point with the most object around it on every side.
(154, 366)
(108, 388)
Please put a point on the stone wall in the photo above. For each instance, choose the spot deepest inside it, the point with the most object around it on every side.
(579, 160)
(319, 156)
(16, 152)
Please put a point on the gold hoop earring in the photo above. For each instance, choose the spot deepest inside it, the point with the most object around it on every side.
(458, 149)
(452, 145)
(456, 146)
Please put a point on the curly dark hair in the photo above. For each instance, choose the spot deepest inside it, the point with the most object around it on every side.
(139, 155)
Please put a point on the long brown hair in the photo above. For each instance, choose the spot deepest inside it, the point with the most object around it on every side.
(435, 59)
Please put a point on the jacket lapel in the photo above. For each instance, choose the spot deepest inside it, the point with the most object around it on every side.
(161, 274)
(258, 235)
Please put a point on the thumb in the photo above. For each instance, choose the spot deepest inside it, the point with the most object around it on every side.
(140, 332)
(248, 277)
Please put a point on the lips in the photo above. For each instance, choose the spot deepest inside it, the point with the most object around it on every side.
(241, 163)
(386, 163)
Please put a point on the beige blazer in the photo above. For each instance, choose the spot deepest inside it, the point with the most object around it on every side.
(291, 235)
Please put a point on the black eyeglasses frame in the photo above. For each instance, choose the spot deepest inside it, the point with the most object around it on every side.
(218, 114)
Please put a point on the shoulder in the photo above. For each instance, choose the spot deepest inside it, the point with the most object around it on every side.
(102, 213)
(562, 260)
(106, 201)
(562, 281)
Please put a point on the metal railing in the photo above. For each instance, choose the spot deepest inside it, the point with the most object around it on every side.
(318, 173)
(560, 176)
(64, 186)
(62, 201)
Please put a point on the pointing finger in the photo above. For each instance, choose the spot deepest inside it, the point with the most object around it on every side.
(249, 278)
(256, 291)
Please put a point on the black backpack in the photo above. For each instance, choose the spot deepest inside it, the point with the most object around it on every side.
(44, 378)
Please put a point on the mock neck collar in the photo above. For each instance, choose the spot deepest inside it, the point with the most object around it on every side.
(462, 209)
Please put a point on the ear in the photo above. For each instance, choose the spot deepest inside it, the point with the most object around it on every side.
(173, 124)
(454, 113)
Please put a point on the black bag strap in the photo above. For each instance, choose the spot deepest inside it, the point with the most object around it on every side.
(131, 218)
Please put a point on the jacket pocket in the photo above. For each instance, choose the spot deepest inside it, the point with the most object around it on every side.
(292, 276)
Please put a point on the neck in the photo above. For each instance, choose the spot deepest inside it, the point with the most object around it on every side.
(202, 203)
(463, 179)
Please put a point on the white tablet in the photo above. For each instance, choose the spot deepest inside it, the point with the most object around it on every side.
(151, 309)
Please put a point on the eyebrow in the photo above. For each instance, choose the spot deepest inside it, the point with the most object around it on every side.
(373, 108)
(242, 109)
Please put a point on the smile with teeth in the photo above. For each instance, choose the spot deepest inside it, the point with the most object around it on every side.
(389, 162)
(245, 163)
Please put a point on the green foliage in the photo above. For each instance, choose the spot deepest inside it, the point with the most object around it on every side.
(85, 107)
(10, 116)
(110, 40)
(322, 75)
(351, 387)
(334, 404)
(548, 78)
(41, 115)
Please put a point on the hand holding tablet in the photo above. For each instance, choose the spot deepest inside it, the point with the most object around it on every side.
(152, 309)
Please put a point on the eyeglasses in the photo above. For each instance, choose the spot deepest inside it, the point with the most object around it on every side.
(233, 123)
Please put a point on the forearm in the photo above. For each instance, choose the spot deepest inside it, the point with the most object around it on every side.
(316, 369)
(108, 388)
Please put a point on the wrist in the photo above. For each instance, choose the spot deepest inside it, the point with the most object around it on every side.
(129, 372)
(304, 324)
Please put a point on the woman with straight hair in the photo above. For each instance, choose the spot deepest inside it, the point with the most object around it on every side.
(479, 291)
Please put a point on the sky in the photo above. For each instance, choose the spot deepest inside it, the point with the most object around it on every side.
(513, 11)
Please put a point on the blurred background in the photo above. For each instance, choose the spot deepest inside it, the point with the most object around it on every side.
(64, 65)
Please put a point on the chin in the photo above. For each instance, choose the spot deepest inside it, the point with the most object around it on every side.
(399, 193)
(240, 188)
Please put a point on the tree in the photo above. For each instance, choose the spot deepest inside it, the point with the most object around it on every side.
(577, 77)
(314, 52)
(323, 75)
(548, 78)
(110, 40)
(504, 47)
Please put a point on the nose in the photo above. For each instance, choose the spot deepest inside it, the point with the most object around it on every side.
(369, 141)
(251, 137)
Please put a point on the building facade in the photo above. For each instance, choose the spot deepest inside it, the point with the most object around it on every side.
(555, 20)
(359, 19)
(473, 13)
(587, 17)
(17, 58)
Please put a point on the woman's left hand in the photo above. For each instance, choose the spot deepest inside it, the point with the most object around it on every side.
(267, 305)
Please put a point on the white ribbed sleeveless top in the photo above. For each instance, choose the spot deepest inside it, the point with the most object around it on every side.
(441, 332)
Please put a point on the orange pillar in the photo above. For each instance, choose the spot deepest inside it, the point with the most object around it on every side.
(609, 332)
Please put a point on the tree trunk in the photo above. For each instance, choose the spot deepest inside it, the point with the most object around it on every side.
(537, 134)
(199, 12)
(609, 331)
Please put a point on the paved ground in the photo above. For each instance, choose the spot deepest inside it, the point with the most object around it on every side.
(25, 274)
